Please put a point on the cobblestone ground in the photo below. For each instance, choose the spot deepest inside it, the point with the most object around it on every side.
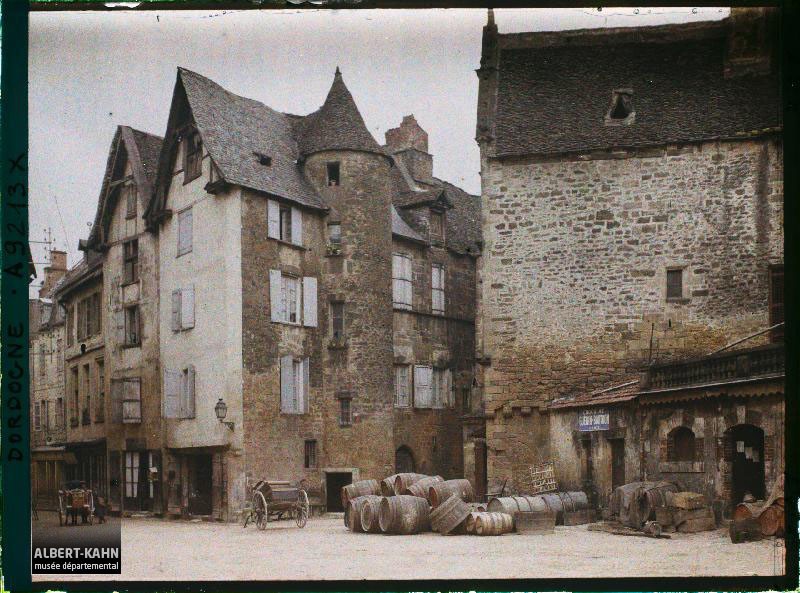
(153, 549)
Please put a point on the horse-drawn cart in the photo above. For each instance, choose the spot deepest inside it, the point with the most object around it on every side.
(270, 499)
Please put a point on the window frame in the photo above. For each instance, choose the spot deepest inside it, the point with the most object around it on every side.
(345, 410)
(310, 454)
(439, 216)
(408, 384)
(438, 289)
(192, 156)
(335, 239)
(138, 319)
(284, 222)
(130, 256)
(333, 174)
(402, 284)
(286, 281)
(333, 305)
(673, 270)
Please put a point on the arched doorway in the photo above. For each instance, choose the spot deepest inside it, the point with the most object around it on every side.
(403, 460)
(747, 462)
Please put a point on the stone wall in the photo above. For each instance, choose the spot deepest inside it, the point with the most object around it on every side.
(573, 278)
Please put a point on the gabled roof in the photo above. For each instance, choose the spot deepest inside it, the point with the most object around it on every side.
(142, 151)
(553, 95)
(236, 129)
(337, 125)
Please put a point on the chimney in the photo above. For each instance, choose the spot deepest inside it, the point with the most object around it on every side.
(749, 48)
(487, 81)
(54, 272)
(409, 142)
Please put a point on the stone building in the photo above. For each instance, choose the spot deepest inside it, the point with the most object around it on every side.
(130, 371)
(317, 300)
(632, 217)
(81, 295)
(48, 428)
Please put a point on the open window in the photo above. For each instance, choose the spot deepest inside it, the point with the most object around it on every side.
(621, 111)
(192, 157)
(332, 170)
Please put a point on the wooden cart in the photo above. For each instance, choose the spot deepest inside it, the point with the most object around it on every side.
(74, 500)
(272, 499)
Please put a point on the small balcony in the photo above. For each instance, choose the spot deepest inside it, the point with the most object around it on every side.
(726, 367)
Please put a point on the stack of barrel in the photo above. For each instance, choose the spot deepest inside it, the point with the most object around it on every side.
(401, 504)
(540, 513)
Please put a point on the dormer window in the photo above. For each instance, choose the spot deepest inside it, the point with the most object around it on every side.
(437, 225)
(193, 157)
(333, 174)
(621, 111)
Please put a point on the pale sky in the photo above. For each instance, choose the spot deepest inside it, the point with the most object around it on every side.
(91, 71)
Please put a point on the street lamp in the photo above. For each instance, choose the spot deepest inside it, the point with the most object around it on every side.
(221, 410)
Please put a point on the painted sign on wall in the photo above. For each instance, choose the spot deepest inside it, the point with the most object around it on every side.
(593, 419)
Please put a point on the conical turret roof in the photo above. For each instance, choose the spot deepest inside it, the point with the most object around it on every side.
(337, 125)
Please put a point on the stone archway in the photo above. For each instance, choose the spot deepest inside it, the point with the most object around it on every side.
(404, 460)
(745, 443)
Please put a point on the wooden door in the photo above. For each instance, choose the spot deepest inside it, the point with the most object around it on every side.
(617, 463)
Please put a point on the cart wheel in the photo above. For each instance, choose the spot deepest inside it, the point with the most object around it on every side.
(246, 516)
(261, 521)
(301, 512)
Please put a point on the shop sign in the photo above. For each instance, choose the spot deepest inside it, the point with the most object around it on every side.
(593, 419)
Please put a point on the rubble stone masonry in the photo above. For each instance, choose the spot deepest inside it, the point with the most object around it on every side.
(573, 273)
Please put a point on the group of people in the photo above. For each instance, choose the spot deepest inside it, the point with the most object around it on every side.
(78, 489)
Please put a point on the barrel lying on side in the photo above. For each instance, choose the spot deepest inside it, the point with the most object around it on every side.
(403, 481)
(368, 515)
(515, 504)
(469, 522)
(422, 488)
(387, 485)
(493, 523)
(352, 512)
(404, 514)
(558, 502)
(438, 493)
(360, 488)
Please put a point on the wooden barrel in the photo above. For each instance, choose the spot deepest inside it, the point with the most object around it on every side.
(559, 502)
(469, 522)
(367, 516)
(360, 488)
(403, 481)
(352, 512)
(441, 491)
(647, 499)
(516, 504)
(404, 514)
(387, 485)
(770, 520)
(448, 516)
(420, 488)
(493, 523)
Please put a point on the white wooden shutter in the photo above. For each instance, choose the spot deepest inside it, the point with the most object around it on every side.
(287, 384)
(273, 220)
(310, 301)
(172, 394)
(297, 226)
(306, 381)
(176, 310)
(188, 411)
(185, 232)
(119, 319)
(422, 386)
(275, 295)
(187, 307)
(408, 275)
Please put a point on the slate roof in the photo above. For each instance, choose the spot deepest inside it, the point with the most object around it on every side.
(401, 227)
(408, 198)
(337, 125)
(149, 152)
(234, 128)
(554, 98)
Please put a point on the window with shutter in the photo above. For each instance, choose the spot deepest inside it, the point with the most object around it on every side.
(176, 310)
(402, 391)
(275, 295)
(285, 223)
(131, 257)
(273, 220)
(401, 281)
(185, 231)
(172, 394)
(116, 401)
(290, 300)
(310, 301)
(187, 308)
(131, 401)
(132, 326)
(306, 384)
(297, 227)
(437, 289)
(187, 389)
(287, 384)
(422, 387)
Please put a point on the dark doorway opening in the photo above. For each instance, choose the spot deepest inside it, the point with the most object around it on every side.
(403, 460)
(201, 472)
(480, 469)
(747, 471)
(334, 482)
(617, 463)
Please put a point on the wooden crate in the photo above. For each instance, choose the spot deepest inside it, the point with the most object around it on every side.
(539, 522)
(580, 517)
